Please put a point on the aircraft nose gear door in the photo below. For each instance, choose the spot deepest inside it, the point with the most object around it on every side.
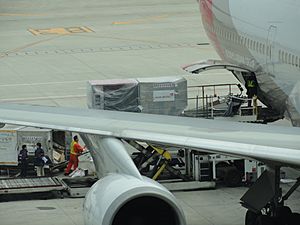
(270, 48)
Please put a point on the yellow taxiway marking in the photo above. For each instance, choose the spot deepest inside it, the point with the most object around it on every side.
(60, 30)
(143, 20)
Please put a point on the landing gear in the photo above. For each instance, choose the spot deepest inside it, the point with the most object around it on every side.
(286, 217)
(265, 202)
(294, 219)
(251, 217)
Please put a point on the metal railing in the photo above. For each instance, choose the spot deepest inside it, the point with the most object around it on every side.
(205, 97)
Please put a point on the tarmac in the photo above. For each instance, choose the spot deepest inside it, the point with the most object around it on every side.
(50, 49)
(218, 206)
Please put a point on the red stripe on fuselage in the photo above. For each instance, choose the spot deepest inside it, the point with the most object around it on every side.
(206, 8)
(206, 11)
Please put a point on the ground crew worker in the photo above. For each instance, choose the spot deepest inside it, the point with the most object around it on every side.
(38, 160)
(75, 151)
(251, 86)
(23, 160)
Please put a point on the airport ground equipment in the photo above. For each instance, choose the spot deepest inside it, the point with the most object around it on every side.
(30, 185)
(264, 114)
(166, 166)
(156, 95)
(226, 102)
(77, 187)
(158, 159)
(204, 168)
(12, 137)
(188, 165)
(231, 171)
(172, 96)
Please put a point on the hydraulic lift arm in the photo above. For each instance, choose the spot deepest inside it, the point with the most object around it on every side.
(151, 154)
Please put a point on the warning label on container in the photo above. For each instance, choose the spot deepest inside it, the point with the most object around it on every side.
(164, 96)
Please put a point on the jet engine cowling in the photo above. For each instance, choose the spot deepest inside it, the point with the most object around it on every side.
(119, 199)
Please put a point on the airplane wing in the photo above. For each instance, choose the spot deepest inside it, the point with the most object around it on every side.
(122, 194)
(273, 144)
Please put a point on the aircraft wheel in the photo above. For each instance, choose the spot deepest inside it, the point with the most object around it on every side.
(251, 217)
(293, 219)
(283, 214)
(264, 220)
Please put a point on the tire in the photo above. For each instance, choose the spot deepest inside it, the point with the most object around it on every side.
(293, 219)
(283, 214)
(251, 217)
(233, 177)
(264, 220)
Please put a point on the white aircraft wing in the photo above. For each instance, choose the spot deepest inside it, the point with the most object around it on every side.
(273, 144)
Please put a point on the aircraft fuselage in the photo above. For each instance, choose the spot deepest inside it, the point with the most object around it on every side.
(262, 37)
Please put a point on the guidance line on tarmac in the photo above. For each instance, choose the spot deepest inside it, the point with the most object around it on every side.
(20, 48)
(42, 98)
(99, 49)
(43, 83)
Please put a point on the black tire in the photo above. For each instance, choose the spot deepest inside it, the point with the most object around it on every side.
(251, 217)
(233, 177)
(264, 220)
(283, 215)
(293, 219)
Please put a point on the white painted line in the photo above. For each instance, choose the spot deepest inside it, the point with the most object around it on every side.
(41, 98)
(44, 83)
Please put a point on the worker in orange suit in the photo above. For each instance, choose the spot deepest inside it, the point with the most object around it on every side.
(75, 151)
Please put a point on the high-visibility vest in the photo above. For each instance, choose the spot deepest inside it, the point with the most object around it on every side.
(72, 151)
(250, 83)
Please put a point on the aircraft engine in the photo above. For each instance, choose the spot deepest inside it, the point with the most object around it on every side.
(119, 199)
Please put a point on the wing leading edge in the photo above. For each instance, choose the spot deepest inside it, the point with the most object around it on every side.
(274, 144)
